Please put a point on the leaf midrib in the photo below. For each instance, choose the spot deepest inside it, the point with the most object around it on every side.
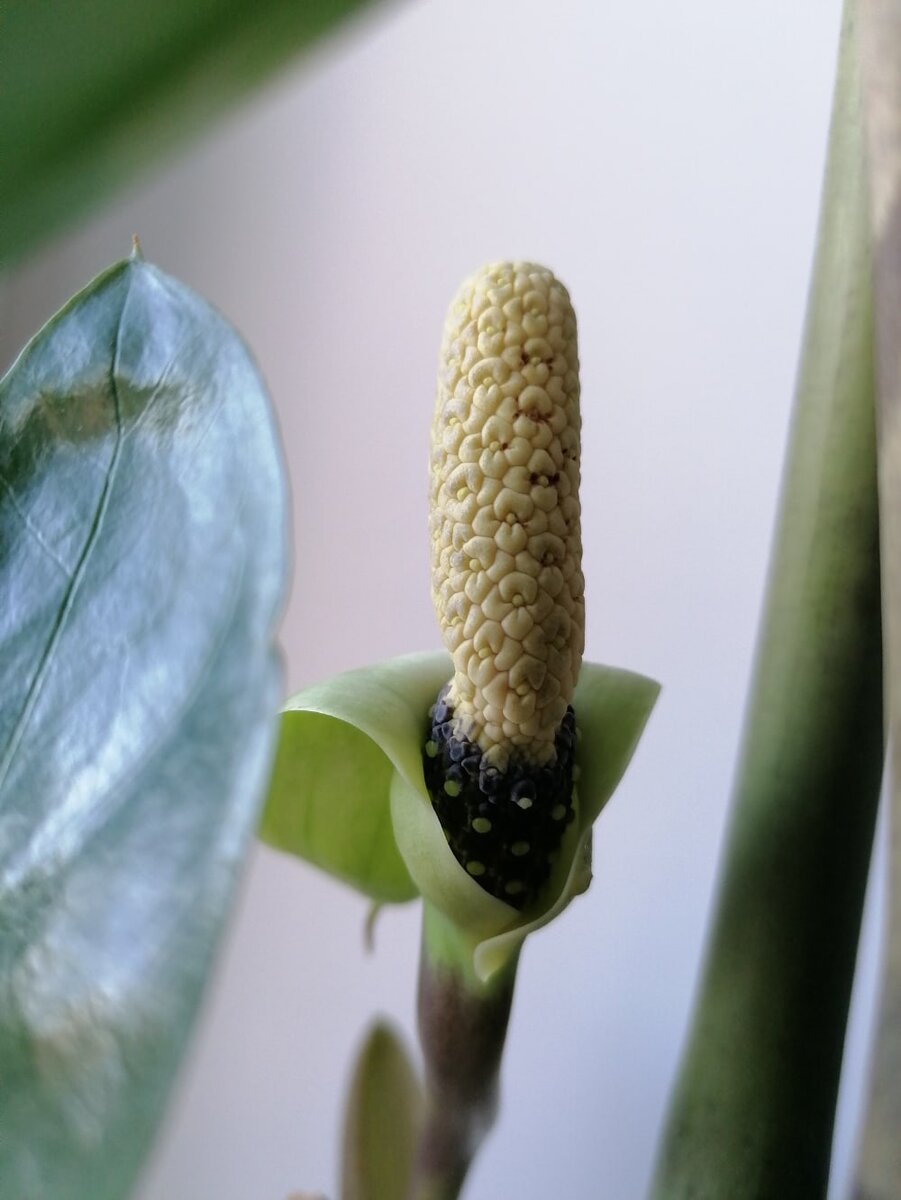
(80, 571)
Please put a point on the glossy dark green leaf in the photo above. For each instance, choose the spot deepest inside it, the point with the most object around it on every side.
(94, 92)
(382, 1121)
(142, 563)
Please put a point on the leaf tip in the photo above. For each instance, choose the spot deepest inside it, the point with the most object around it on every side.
(136, 250)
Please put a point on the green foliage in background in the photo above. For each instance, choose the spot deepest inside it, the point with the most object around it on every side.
(94, 93)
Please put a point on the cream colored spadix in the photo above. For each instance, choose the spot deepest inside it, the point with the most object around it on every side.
(374, 780)
(505, 519)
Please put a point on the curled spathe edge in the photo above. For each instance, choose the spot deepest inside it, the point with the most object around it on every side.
(348, 793)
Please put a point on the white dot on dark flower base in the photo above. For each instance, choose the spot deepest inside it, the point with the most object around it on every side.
(503, 826)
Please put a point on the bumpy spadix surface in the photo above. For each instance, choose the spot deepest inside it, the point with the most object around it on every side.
(505, 519)
(506, 577)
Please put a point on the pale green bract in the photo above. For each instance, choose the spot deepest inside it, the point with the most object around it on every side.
(348, 793)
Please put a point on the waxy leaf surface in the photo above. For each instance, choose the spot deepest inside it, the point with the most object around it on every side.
(142, 564)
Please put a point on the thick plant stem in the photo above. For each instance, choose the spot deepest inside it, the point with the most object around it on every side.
(462, 1027)
(879, 1166)
(753, 1109)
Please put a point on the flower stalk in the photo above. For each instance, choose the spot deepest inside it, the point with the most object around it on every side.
(462, 1029)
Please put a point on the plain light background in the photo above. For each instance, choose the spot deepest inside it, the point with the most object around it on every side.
(665, 161)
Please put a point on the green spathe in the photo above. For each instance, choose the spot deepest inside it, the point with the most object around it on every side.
(348, 792)
(142, 565)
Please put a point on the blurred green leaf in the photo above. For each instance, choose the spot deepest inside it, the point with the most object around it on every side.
(142, 564)
(753, 1110)
(879, 1167)
(382, 1120)
(95, 92)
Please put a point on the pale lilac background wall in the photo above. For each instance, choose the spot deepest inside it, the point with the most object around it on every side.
(665, 159)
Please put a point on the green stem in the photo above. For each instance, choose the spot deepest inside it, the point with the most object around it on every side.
(753, 1109)
(462, 1028)
(879, 1166)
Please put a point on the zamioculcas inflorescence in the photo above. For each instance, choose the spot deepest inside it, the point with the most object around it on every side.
(455, 778)
(507, 577)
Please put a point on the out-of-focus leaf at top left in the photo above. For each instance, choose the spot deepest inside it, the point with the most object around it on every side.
(142, 566)
(95, 92)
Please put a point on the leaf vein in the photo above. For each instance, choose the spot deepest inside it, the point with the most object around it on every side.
(33, 529)
(77, 576)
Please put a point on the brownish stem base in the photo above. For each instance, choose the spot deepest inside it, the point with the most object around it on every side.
(462, 1027)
